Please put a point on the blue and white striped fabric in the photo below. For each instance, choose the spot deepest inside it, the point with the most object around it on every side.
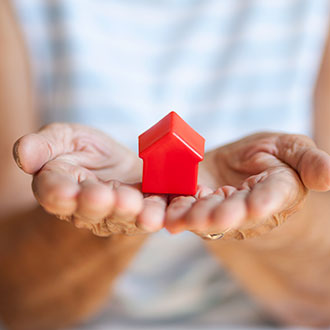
(229, 68)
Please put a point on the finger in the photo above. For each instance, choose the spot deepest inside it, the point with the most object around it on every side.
(56, 186)
(32, 151)
(177, 209)
(312, 164)
(95, 201)
(56, 192)
(152, 216)
(203, 191)
(175, 212)
(199, 216)
(231, 212)
(129, 200)
(276, 193)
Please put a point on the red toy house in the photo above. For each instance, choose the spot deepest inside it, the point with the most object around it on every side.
(171, 151)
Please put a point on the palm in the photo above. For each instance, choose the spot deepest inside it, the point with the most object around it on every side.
(82, 175)
(256, 184)
(89, 154)
(252, 163)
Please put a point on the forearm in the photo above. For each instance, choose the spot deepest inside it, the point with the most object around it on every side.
(53, 274)
(287, 270)
(17, 111)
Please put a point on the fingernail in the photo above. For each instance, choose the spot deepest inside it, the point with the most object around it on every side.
(16, 155)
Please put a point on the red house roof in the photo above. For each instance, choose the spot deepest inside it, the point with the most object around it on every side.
(173, 124)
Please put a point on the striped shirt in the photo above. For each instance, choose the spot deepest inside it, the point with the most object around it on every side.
(229, 68)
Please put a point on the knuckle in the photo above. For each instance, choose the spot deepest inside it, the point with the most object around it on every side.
(100, 230)
(240, 235)
(80, 223)
(67, 218)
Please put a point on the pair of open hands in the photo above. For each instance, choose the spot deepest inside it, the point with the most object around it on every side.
(250, 186)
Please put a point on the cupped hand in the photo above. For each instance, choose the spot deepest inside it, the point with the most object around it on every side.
(83, 176)
(257, 183)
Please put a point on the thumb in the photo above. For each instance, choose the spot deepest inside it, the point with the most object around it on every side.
(312, 164)
(33, 151)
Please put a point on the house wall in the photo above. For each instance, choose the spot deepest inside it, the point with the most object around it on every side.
(170, 168)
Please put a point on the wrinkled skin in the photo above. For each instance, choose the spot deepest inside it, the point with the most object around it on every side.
(246, 188)
(258, 181)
